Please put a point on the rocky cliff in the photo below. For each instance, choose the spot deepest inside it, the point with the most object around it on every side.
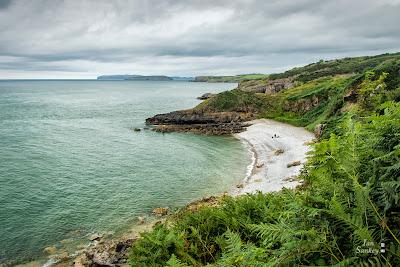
(266, 86)
(200, 121)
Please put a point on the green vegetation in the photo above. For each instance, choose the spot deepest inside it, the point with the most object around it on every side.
(347, 206)
(311, 103)
(230, 79)
(234, 100)
(337, 66)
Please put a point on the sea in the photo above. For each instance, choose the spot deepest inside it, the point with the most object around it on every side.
(72, 165)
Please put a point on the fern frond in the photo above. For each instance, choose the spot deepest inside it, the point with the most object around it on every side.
(233, 242)
(175, 262)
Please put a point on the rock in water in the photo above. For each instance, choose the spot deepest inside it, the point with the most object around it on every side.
(50, 250)
(111, 253)
(141, 220)
(278, 152)
(95, 236)
(161, 211)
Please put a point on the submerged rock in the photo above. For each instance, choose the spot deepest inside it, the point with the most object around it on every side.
(95, 236)
(141, 220)
(50, 250)
(63, 256)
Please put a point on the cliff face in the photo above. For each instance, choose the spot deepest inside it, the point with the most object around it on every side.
(266, 86)
(302, 105)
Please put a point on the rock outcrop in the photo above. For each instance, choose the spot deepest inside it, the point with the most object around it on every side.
(302, 105)
(319, 130)
(205, 96)
(351, 96)
(198, 121)
(266, 86)
(95, 236)
(109, 253)
(255, 86)
(161, 211)
(277, 85)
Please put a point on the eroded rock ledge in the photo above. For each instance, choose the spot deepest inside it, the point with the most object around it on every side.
(199, 121)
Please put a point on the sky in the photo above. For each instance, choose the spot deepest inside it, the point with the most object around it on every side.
(83, 39)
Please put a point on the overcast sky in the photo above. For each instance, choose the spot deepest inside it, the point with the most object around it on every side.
(84, 39)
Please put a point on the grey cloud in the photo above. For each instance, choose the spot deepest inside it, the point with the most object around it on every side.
(190, 37)
(4, 3)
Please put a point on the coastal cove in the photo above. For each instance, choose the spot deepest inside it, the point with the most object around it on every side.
(278, 152)
(72, 165)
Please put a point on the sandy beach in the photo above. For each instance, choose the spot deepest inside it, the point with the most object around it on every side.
(273, 145)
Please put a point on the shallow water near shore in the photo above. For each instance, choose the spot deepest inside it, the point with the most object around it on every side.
(71, 165)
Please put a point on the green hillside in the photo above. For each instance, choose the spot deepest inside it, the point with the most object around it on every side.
(349, 202)
(336, 66)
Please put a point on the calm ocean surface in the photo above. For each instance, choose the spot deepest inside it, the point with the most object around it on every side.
(70, 164)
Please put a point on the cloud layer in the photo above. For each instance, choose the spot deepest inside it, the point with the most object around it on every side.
(83, 39)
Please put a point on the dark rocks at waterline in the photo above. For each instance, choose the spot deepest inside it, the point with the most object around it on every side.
(109, 253)
(198, 121)
(197, 117)
(207, 129)
(95, 236)
(162, 211)
(205, 96)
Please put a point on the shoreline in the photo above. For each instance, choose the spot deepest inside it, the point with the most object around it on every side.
(269, 170)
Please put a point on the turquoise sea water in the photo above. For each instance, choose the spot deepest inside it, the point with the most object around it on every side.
(70, 162)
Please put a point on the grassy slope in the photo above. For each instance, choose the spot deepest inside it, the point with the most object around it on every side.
(350, 194)
(337, 66)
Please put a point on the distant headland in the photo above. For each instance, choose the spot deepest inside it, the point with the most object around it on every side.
(132, 77)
